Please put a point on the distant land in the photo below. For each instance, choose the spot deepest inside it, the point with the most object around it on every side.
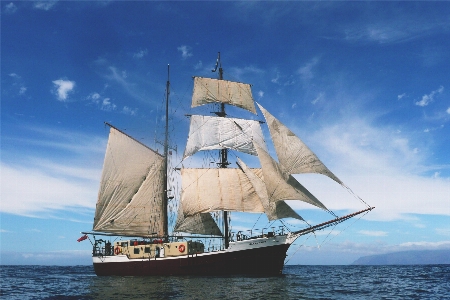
(416, 257)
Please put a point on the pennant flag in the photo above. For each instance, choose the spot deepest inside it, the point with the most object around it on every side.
(82, 238)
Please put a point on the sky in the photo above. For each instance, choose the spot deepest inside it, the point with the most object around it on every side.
(364, 84)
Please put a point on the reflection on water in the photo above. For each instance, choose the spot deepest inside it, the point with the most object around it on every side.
(231, 287)
(298, 282)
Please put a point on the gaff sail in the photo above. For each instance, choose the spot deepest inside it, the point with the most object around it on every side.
(130, 198)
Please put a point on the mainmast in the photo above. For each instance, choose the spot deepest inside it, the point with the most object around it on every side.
(223, 154)
(166, 152)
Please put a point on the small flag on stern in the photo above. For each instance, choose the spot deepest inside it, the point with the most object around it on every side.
(82, 238)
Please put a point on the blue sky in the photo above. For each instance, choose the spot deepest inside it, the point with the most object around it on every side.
(364, 84)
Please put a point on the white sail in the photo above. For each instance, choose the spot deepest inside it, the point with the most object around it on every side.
(292, 153)
(197, 224)
(280, 184)
(208, 90)
(207, 190)
(274, 210)
(208, 133)
(130, 197)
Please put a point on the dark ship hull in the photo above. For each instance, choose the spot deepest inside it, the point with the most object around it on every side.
(249, 257)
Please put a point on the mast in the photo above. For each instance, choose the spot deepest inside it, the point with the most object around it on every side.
(166, 150)
(223, 154)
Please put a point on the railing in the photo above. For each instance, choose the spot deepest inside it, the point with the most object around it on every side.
(102, 250)
(240, 236)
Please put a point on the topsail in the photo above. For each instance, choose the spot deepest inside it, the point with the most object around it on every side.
(208, 90)
(209, 133)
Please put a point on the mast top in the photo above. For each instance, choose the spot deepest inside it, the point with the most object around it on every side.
(218, 64)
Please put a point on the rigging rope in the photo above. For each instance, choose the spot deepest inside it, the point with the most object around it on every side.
(345, 228)
(293, 254)
(325, 240)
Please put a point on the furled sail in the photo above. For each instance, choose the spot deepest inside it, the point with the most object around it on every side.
(292, 153)
(274, 210)
(130, 197)
(280, 184)
(207, 190)
(198, 224)
(208, 90)
(208, 133)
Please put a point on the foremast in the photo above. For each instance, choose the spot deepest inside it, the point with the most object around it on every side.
(165, 197)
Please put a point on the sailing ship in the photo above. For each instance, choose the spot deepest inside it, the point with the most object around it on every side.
(133, 198)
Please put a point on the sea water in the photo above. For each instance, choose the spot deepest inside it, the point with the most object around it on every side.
(297, 282)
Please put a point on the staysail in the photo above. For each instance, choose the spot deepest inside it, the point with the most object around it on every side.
(274, 210)
(209, 133)
(130, 198)
(280, 184)
(292, 153)
(208, 90)
(198, 224)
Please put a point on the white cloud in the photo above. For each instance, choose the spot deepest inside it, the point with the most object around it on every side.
(186, 51)
(63, 88)
(10, 8)
(422, 246)
(443, 231)
(63, 257)
(129, 111)
(399, 97)
(238, 73)
(381, 248)
(383, 34)
(125, 80)
(318, 98)
(373, 232)
(260, 94)
(275, 80)
(306, 71)
(427, 99)
(107, 105)
(66, 180)
(18, 84)
(393, 29)
(14, 75)
(379, 165)
(198, 65)
(448, 110)
(104, 104)
(94, 97)
(348, 252)
(44, 5)
(117, 76)
(45, 192)
(140, 54)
